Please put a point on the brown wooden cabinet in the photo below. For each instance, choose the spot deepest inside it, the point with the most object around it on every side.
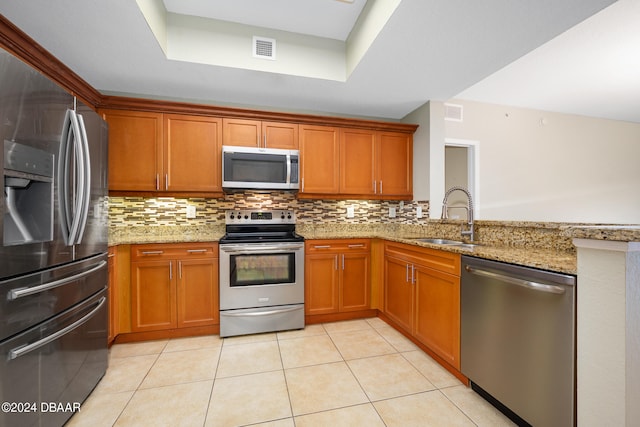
(337, 276)
(135, 150)
(422, 296)
(319, 152)
(375, 163)
(174, 286)
(155, 152)
(257, 133)
(356, 163)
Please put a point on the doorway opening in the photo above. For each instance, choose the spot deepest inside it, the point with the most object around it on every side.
(462, 169)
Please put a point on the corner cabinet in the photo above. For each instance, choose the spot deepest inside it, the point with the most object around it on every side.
(155, 152)
(355, 163)
(337, 276)
(422, 297)
(257, 133)
(174, 286)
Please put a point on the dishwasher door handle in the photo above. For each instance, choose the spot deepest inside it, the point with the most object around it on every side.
(535, 286)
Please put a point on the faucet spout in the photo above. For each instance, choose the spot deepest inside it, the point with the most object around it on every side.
(469, 208)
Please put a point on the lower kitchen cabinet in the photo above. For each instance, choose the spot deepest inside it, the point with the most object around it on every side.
(337, 276)
(174, 286)
(422, 296)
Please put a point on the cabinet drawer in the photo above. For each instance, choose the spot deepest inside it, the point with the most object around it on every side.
(338, 245)
(446, 262)
(173, 250)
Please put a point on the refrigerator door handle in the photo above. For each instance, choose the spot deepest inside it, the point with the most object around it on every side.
(83, 205)
(23, 292)
(21, 351)
(70, 207)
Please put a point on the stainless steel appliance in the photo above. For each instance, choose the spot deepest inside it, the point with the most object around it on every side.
(260, 168)
(53, 258)
(261, 273)
(518, 340)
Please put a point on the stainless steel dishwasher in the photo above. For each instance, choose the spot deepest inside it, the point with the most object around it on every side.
(517, 342)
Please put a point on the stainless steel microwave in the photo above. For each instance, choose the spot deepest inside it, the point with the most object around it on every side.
(260, 168)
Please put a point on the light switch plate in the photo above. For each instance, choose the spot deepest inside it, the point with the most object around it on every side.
(418, 212)
(191, 212)
(392, 212)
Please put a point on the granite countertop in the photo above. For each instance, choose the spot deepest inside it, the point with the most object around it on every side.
(540, 245)
(557, 260)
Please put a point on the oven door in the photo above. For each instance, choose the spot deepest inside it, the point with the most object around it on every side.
(261, 274)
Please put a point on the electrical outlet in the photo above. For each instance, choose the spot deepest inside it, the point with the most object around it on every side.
(351, 212)
(392, 212)
(418, 212)
(191, 211)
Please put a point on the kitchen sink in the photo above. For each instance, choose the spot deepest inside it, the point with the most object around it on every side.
(446, 242)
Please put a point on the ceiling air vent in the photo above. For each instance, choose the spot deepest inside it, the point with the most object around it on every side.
(453, 112)
(264, 48)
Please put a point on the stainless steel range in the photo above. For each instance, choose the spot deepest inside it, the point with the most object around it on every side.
(261, 273)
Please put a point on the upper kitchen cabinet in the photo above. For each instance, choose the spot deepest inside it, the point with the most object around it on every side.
(394, 164)
(367, 164)
(155, 152)
(135, 151)
(263, 134)
(319, 153)
(192, 147)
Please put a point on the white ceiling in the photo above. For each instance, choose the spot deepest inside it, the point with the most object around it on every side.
(542, 54)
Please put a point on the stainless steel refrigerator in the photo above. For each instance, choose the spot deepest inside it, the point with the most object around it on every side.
(53, 259)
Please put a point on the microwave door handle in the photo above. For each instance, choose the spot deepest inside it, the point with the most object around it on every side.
(288, 168)
(83, 205)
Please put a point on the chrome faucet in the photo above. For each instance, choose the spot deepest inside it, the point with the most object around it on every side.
(469, 208)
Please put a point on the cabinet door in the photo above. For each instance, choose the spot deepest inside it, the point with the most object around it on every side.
(437, 315)
(198, 292)
(354, 283)
(321, 284)
(153, 296)
(241, 132)
(356, 161)
(280, 135)
(398, 292)
(395, 164)
(135, 150)
(320, 159)
(192, 144)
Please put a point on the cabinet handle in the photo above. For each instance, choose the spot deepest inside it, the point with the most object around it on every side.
(265, 140)
(342, 262)
(170, 270)
(166, 181)
(196, 251)
(380, 186)
(413, 274)
(406, 273)
(375, 187)
(335, 262)
(321, 246)
(180, 270)
(152, 252)
(157, 181)
(354, 246)
(302, 184)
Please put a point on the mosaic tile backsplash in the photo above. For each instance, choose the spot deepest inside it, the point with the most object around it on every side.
(169, 211)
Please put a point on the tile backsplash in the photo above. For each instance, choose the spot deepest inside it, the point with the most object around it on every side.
(168, 211)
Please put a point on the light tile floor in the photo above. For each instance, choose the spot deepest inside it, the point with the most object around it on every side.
(354, 373)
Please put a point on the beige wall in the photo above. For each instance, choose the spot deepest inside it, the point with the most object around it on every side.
(543, 166)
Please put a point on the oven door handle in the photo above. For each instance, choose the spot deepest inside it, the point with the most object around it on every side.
(261, 313)
(243, 250)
